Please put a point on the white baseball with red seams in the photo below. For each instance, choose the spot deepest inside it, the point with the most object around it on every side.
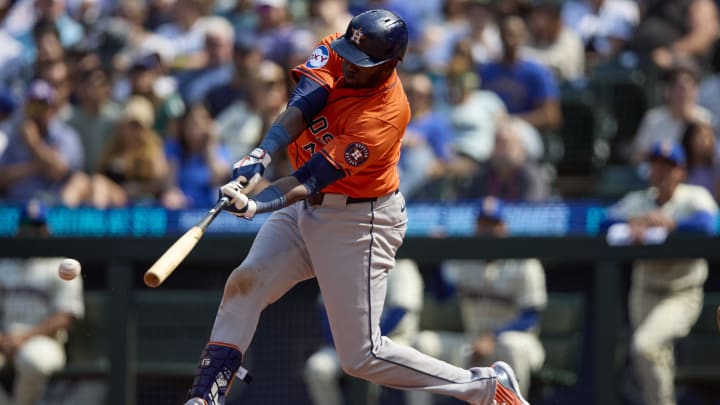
(69, 269)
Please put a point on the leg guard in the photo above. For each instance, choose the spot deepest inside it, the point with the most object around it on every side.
(219, 364)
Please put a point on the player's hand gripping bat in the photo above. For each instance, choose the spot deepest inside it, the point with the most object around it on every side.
(171, 259)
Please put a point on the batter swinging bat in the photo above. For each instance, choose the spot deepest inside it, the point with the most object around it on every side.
(169, 261)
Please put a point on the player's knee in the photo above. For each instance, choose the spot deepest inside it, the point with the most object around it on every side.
(643, 348)
(321, 366)
(429, 343)
(29, 365)
(242, 281)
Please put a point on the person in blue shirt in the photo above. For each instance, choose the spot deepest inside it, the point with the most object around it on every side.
(198, 162)
(42, 152)
(527, 88)
(426, 146)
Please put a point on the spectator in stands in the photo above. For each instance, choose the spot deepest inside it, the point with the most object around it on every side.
(278, 38)
(667, 121)
(246, 61)
(42, 152)
(500, 304)
(666, 296)
(132, 168)
(400, 321)
(426, 148)
(270, 96)
(604, 26)
(49, 48)
(11, 52)
(528, 89)
(243, 17)
(509, 174)
(187, 32)
(709, 88)
(439, 36)
(699, 143)
(95, 116)
(554, 44)
(124, 35)
(672, 29)
(57, 74)
(328, 16)
(483, 31)
(147, 78)
(217, 67)
(53, 12)
(475, 116)
(198, 162)
(38, 309)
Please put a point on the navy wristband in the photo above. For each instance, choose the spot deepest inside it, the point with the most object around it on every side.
(270, 199)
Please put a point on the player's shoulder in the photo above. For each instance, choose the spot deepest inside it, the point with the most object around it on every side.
(696, 195)
(322, 52)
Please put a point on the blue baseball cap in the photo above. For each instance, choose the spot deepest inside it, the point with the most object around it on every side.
(668, 150)
(490, 208)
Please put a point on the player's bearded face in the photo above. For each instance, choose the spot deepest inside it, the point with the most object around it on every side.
(362, 77)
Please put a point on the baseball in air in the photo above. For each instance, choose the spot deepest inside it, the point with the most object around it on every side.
(69, 269)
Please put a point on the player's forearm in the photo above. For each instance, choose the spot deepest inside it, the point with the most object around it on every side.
(51, 325)
(702, 18)
(16, 172)
(279, 194)
(547, 116)
(55, 166)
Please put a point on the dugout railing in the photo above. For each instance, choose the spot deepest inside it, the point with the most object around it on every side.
(605, 300)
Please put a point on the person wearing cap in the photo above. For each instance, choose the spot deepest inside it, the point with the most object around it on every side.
(667, 121)
(666, 296)
(338, 218)
(43, 152)
(38, 309)
(500, 304)
(132, 167)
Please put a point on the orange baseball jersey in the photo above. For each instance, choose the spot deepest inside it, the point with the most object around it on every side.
(359, 130)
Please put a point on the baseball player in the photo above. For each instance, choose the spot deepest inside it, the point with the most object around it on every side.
(37, 308)
(400, 321)
(500, 304)
(666, 296)
(338, 218)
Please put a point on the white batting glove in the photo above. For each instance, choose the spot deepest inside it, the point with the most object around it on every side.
(240, 204)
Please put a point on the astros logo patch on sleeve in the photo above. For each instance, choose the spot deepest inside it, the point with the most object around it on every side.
(318, 58)
(356, 153)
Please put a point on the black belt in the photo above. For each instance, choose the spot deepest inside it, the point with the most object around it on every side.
(317, 199)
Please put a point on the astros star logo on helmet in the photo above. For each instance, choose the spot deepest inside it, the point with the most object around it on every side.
(357, 35)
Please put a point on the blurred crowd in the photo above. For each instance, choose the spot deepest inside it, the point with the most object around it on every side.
(109, 103)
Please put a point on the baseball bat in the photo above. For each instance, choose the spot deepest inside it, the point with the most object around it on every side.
(171, 259)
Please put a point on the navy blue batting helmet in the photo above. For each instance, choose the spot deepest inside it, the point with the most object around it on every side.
(372, 38)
